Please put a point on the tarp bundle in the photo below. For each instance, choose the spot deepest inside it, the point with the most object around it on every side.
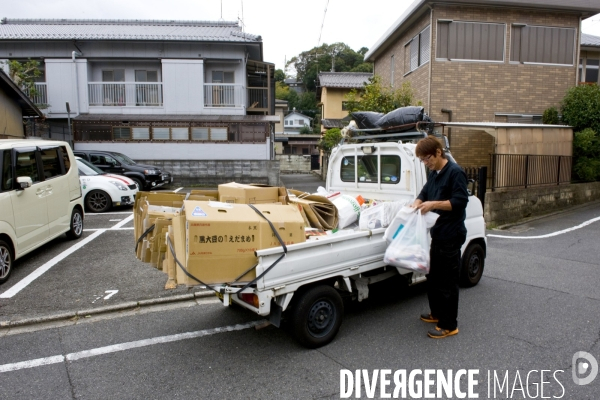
(398, 118)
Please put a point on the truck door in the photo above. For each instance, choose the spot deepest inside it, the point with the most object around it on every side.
(29, 205)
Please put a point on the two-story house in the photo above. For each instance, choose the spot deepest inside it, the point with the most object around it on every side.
(14, 105)
(332, 89)
(154, 90)
(294, 122)
(484, 60)
(589, 59)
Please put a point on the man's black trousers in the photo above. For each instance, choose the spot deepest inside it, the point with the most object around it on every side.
(442, 281)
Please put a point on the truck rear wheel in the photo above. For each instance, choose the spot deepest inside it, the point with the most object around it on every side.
(317, 316)
(472, 265)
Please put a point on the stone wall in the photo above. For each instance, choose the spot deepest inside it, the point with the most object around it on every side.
(215, 172)
(511, 206)
(293, 164)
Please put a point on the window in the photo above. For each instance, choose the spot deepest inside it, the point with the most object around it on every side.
(66, 160)
(222, 77)
(543, 45)
(113, 75)
(215, 134)
(299, 122)
(416, 52)
(121, 133)
(590, 72)
(26, 165)
(161, 133)
(200, 133)
(367, 169)
(147, 94)
(101, 159)
(113, 93)
(475, 41)
(7, 177)
(51, 163)
(141, 133)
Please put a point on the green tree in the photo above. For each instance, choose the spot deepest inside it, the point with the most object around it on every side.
(581, 108)
(24, 74)
(550, 116)
(279, 75)
(305, 130)
(586, 155)
(330, 139)
(283, 92)
(338, 56)
(376, 97)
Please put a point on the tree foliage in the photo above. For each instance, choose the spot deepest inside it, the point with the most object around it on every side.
(376, 97)
(550, 116)
(581, 108)
(340, 56)
(279, 75)
(24, 74)
(586, 155)
(330, 139)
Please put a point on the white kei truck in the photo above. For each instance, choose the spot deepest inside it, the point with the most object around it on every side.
(303, 284)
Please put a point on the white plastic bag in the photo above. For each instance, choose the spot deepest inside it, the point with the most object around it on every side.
(380, 215)
(400, 219)
(348, 210)
(410, 248)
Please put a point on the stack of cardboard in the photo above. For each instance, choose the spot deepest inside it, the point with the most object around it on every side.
(215, 241)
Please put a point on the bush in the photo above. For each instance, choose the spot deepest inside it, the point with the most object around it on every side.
(581, 108)
(550, 116)
(330, 139)
(586, 148)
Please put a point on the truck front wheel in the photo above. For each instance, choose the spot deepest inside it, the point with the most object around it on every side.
(317, 316)
(472, 265)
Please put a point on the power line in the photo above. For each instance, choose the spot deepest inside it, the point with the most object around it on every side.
(323, 23)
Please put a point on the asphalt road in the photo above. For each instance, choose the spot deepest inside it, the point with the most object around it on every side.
(537, 304)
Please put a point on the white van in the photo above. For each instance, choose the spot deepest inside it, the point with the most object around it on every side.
(40, 197)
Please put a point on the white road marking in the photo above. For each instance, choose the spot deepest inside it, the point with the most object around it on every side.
(111, 293)
(586, 223)
(177, 190)
(114, 220)
(23, 283)
(107, 213)
(107, 229)
(38, 362)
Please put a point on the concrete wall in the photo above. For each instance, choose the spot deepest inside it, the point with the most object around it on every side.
(511, 206)
(11, 118)
(289, 163)
(214, 172)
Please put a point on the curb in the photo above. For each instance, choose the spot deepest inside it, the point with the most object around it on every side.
(104, 309)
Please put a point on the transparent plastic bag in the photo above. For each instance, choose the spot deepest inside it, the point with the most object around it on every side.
(410, 248)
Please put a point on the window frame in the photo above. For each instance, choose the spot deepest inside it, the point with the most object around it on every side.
(451, 59)
(516, 25)
(416, 44)
(380, 178)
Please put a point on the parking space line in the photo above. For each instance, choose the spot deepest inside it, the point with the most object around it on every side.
(586, 223)
(23, 283)
(107, 213)
(177, 190)
(38, 362)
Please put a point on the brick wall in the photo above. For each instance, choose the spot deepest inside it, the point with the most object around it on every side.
(512, 206)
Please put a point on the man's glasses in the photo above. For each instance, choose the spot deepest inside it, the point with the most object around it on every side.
(426, 159)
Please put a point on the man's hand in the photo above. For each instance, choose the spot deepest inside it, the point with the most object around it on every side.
(427, 206)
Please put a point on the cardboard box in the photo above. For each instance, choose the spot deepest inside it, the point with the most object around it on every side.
(248, 194)
(221, 239)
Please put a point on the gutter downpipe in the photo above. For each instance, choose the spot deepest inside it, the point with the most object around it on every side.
(73, 55)
(449, 112)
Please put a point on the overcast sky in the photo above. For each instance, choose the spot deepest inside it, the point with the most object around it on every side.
(287, 27)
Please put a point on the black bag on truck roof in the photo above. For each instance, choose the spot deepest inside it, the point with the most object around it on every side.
(403, 116)
(366, 119)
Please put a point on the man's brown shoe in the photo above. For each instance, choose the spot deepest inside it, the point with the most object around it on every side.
(429, 318)
(439, 333)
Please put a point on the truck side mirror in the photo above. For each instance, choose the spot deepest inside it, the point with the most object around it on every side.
(23, 182)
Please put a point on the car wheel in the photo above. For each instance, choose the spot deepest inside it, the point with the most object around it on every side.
(76, 224)
(6, 261)
(98, 201)
(139, 183)
(317, 316)
(472, 265)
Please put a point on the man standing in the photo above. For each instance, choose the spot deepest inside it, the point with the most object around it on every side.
(445, 193)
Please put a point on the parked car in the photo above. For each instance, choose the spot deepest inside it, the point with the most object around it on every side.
(40, 197)
(146, 176)
(102, 191)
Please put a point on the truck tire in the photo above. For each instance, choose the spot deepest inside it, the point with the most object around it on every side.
(98, 201)
(6, 261)
(76, 229)
(139, 183)
(472, 265)
(317, 316)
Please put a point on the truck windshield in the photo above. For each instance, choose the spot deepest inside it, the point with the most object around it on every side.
(366, 167)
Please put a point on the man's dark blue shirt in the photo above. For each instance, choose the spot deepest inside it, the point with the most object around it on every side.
(449, 184)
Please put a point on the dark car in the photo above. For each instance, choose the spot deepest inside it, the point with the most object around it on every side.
(146, 176)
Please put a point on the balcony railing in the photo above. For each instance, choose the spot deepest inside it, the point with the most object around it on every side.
(40, 96)
(258, 98)
(222, 95)
(130, 94)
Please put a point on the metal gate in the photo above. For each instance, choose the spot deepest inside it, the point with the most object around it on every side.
(314, 162)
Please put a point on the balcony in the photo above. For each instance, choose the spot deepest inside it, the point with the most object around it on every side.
(125, 94)
(39, 95)
(222, 95)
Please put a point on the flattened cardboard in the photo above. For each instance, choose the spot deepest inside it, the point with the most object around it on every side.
(239, 193)
(320, 211)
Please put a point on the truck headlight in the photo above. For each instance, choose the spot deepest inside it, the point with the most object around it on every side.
(119, 185)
